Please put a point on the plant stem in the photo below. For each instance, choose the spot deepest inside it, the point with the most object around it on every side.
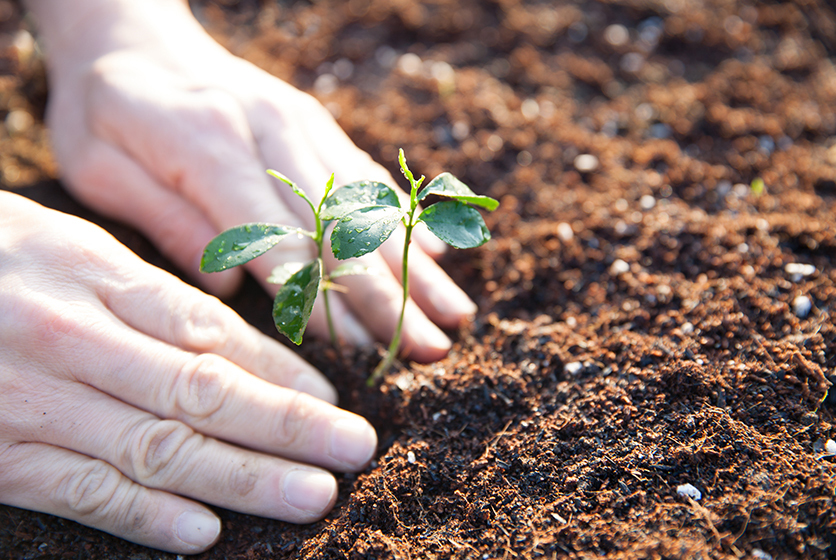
(331, 330)
(396, 339)
(334, 340)
(320, 240)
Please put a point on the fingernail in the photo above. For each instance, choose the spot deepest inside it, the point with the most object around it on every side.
(315, 386)
(353, 441)
(198, 529)
(451, 301)
(431, 337)
(309, 490)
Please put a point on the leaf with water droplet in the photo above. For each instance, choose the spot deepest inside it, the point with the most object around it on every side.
(295, 300)
(354, 196)
(364, 230)
(456, 224)
(241, 244)
(449, 186)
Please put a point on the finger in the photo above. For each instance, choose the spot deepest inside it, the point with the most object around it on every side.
(205, 391)
(160, 306)
(209, 154)
(378, 299)
(438, 296)
(168, 455)
(435, 293)
(281, 139)
(334, 148)
(374, 300)
(115, 185)
(57, 481)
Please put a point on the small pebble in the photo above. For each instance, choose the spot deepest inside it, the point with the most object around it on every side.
(616, 35)
(410, 64)
(573, 368)
(410, 457)
(530, 109)
(326, 84)
(24, 44)
(760, 554)
(830, 447)
(689, 490)
(799, 270)
(687, 328)
(19, 121)
(586, 163)
(564, 232)
(801, 306)
(343, 69)
(619, 267)
(647, 202)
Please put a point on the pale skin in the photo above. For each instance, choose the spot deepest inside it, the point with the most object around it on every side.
(129, 399)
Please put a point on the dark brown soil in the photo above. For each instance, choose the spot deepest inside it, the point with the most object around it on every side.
(639, 327)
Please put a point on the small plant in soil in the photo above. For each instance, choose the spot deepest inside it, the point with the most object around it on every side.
(301, 282)
(367, 212)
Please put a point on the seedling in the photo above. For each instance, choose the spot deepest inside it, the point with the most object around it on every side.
(365, 215)
(367, 212)
(301, 282)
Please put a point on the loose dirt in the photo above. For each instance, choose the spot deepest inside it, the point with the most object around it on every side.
(663, 168)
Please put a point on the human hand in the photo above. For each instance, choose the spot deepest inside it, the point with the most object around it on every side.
(127, 395)
(157, 125)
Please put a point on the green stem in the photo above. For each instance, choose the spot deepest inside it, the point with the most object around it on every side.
(320, 239)
(331, 330)
(334, 340)
(396, 340)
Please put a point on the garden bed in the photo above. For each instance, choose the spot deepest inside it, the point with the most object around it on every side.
(663, 168)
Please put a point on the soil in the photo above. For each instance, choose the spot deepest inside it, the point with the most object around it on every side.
(642, 319)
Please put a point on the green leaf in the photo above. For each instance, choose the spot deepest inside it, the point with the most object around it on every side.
(294, 187)
(352, 269)
(241, 244)
(364, 230)
(449, 186)
(295, 300)
(456, 224)
(354, 196)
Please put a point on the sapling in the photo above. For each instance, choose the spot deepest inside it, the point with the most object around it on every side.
(367, 212)
(301, 282)
(365, 215)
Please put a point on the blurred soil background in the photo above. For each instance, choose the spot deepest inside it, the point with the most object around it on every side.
(655, 304)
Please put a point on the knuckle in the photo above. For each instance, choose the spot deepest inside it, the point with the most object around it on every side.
(291, 420)
(10, 478)
(202, 388)
(90, 490)
(220, 112)
(59, 325)
(220, 125)
(136, 514)
(202, 327)
(163, 447)
(243, 479)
